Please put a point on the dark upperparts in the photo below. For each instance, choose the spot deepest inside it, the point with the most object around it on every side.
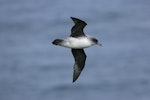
(77, 29)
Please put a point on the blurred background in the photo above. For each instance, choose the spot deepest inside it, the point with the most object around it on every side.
(31, 68)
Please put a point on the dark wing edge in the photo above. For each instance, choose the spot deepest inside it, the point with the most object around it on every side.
(76, 21)
(77, 29)
(80, 58)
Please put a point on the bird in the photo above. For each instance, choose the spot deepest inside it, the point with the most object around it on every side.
(77, 41)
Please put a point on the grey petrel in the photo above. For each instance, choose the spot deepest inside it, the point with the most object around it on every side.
(77, 42)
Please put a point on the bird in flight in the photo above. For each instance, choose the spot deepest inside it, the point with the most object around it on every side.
(77, 42)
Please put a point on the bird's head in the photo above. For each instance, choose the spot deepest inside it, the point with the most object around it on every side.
(95, 41)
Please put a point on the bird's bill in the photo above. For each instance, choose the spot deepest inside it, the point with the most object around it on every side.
(99, 44)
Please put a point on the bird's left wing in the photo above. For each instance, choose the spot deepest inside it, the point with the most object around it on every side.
(80, 58)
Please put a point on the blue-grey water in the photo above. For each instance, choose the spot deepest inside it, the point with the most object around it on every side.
(31, 68)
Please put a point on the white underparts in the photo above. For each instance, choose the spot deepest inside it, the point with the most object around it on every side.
(77, 43)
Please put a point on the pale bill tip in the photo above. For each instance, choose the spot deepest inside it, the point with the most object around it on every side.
(99, 44)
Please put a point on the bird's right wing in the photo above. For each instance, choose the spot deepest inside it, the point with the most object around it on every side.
(77, 29)
(80, 58)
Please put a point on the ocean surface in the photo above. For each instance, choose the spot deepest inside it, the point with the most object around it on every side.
(31, 68)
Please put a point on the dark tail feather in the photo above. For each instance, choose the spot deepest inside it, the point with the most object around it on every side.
(57, 41)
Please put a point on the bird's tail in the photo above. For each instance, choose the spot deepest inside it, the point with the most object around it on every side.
(57, 42)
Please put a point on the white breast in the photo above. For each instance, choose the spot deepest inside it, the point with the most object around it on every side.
(77, 43)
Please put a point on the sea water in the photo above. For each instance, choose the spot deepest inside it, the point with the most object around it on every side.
(31, 68)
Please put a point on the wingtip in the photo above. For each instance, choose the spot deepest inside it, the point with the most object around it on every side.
(76, 74)
(73, 18)
(74, 79)
(76, 20)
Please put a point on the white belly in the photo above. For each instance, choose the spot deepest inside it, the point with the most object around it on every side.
(77, 43)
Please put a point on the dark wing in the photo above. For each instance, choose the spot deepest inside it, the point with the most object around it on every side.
(77, 29)
(80, 58)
